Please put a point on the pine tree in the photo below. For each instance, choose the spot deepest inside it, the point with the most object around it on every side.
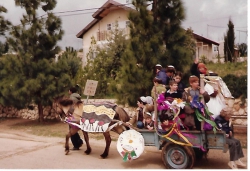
(170, 14)
(229, 43)
(138, 61)
(4, 27)
(32, 76)
(4, 24)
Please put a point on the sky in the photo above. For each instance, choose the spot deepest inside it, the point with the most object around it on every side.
(208, 18)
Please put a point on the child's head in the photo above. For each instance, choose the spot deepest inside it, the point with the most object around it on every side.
(194, 82)
(158, 67)
(226, 114)
(148, 117)
(72, 90)
(170, 71)
(141, 101)
(163, 118)
(202, 68)
(178, 76)
(157, 80)
(173, 85)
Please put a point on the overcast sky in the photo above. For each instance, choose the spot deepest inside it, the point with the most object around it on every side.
(208, 18)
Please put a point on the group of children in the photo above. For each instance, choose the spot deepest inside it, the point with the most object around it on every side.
(169, 82)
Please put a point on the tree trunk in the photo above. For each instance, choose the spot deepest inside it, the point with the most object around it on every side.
(40, 112)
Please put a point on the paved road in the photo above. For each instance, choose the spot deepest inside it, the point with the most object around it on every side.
(26, 151)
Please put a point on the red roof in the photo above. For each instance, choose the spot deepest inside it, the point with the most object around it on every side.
(203, 39)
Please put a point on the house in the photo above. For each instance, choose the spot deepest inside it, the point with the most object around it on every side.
(110, 13)
(104, 21)
(205, 47)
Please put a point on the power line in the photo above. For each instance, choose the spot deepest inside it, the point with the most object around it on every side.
(213, 19)
(224, 26)
(87, 9)
(61, 12)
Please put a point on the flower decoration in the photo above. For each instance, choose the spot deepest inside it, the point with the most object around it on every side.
(161, 103)
(195, 103)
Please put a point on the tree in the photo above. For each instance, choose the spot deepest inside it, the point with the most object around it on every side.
(4, 47)
(32, 76)
(243, 49)
(4, 26)
(104, 61)
(143, 51)
(229, 43)
(177, 41)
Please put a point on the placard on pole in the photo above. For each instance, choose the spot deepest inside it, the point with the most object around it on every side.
(90, 88)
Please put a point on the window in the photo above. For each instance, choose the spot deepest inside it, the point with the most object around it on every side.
(101, 35)
(108, 26)
(216, 48)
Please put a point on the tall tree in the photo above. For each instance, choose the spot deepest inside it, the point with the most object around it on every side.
(33, 76)
(229, 43)
(170, 14)
(136, 75)
(4, 26)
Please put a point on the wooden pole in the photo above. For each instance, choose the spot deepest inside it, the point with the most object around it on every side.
(202, 76)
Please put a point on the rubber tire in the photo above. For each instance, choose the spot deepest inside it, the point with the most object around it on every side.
(185, 153)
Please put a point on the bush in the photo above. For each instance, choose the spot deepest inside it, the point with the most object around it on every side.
(237, 85)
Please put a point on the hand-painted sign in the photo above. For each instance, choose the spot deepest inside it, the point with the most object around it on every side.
(90, 88)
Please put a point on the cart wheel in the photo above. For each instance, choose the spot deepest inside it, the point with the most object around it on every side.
(176, 156)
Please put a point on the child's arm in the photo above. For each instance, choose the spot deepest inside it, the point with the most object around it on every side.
(205, 95)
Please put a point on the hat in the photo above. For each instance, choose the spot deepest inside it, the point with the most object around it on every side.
(149, 100)
(158, 66)
(143, 99)
(149, 114)
(170, 66)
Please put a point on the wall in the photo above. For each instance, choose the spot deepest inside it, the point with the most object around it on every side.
(239, 112)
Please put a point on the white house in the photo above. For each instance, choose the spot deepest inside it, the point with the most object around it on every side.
(110, 13)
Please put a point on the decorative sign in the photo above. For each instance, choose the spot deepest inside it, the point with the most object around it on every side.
(90, 88)
(130, 145)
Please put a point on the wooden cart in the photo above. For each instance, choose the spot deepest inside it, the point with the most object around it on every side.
(175, 156)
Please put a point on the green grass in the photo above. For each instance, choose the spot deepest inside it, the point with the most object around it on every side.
(238, 69)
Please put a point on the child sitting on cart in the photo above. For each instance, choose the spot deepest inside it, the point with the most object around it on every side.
(235, 149)
(166, 122)
(149, 123)
(189, 95)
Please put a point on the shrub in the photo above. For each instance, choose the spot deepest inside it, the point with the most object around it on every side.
(237, 86)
